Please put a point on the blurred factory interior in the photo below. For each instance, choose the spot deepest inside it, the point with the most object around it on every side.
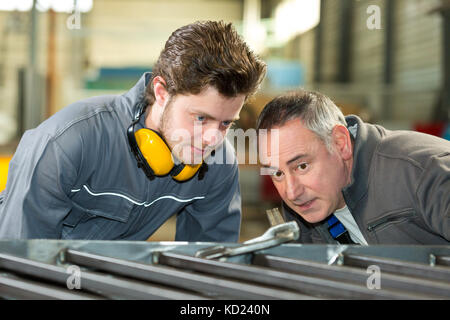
(387, 61)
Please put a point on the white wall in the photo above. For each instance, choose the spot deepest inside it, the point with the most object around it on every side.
(134, 32)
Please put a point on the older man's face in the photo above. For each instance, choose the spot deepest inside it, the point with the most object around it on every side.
(308, 177)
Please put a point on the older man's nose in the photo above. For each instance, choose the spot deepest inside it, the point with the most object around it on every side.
(293, 187)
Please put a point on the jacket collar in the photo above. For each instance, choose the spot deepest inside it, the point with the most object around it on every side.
(133, 98)
(366, 141)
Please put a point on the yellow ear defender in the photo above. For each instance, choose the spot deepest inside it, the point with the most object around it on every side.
(153, 154)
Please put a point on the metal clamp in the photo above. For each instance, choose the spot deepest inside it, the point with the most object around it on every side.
(274, 236)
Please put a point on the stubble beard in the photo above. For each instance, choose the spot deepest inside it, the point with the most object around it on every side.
(176, 146)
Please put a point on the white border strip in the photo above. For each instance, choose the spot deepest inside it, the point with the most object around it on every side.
(145, 204)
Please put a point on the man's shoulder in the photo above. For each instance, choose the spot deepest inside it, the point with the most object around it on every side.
(412, 146)
(79, 116)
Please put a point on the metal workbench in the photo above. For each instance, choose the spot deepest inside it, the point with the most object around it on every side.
(54, 269)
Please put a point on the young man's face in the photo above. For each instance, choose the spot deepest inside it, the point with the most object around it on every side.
(308, 177)
(194, 125)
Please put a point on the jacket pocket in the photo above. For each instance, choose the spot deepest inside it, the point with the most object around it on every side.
(110, 205)
(96, 215)
(392, 217)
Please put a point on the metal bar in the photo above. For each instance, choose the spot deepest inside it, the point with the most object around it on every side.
(344, 45)
(275, 217)
(318, 54)
(388, 55)
(303, 284)
(350, 274)
(13, 287)
(173, 277)
(273, 236)
(33, 113)
(111, 287)
(443, 260)
(405, 268)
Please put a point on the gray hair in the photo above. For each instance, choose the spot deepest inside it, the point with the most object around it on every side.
(317, 112)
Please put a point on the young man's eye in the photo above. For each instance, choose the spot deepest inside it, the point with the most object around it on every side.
(200, 118)
(227, 123)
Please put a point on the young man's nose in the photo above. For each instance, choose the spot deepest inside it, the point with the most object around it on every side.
(212, 135)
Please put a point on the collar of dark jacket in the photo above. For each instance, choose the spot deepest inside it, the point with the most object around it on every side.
(367, 139)
(135, 97)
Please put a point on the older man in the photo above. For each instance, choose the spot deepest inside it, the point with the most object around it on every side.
(346, 181)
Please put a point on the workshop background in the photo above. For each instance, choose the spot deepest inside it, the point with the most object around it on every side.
(387, 61)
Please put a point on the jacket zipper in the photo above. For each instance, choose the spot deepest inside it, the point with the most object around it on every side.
(372, 226)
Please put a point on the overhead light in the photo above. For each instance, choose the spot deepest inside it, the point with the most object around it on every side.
(293, 17)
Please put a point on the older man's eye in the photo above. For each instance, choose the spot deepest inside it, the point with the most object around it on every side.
(277, 175)
(302, 166)
(200, 118)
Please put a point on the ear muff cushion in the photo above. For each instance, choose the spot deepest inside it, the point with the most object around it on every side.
(187, 172)
(155, 151)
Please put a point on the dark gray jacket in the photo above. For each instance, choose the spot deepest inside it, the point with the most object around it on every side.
(400, 189)
(75, 177)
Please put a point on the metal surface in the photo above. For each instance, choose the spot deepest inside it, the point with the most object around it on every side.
(38, 269)
(176, 278)
(14, 287)
(353, 275)
(320, 287)
(100, 284)
(436, 273)
(274, 236)
(443, 260)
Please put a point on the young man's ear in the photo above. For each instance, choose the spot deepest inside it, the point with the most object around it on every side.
(342, 141)
(160, 91)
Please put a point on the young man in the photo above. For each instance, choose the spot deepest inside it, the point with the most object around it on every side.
(117, 167)
(347, 181)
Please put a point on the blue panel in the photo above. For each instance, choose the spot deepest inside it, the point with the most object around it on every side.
(285, 74)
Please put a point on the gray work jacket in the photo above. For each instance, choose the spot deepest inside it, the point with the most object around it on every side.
(400, 189)
(75, 177)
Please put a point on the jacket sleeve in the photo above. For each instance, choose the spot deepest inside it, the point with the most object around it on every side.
(217, 217)
(433, 194)
(35, 199)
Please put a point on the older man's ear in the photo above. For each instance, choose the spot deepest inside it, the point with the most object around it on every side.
(342, 142)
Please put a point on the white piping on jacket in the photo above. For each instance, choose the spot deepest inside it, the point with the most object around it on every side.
(145, 204)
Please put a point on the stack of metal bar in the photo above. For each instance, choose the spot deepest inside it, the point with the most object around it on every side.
(261, 268)
(50, 269)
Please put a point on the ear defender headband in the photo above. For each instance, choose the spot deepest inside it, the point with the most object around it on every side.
(153, 154)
